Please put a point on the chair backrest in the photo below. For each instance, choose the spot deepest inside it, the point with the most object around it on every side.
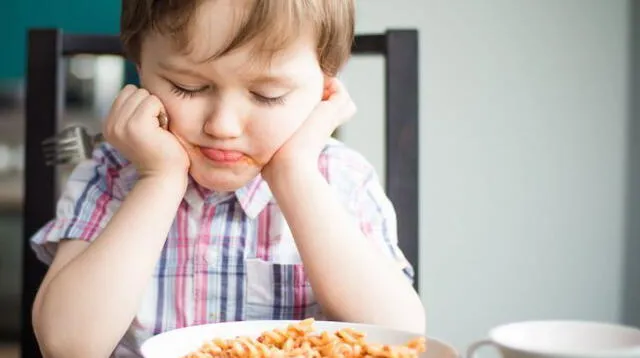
(44, 107)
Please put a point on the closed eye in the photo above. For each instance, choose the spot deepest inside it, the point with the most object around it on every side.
(269, 101)
(187, 92)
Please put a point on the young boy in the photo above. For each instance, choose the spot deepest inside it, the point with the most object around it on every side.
(219, 183)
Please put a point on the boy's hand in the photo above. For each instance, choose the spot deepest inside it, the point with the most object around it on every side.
(133, 127)
(304, 146)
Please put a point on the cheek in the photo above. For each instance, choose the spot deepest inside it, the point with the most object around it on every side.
(185, 117)
(267, 133)
(270, 129)
(184, 114)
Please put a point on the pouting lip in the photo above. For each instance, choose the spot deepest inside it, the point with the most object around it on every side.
(222, 155)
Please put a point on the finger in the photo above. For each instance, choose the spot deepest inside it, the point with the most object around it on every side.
(128, 109)
(328, 90)
(345, 106)
(150, 108)
(116, 109)
(337, 91)
(125, 93)
(338, 108)
(328, 114)
(341, 103)
(132, 103)
(320, 125)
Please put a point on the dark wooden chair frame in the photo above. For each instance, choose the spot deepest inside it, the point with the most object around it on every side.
(47, 49)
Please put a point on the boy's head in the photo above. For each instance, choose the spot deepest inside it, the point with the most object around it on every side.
(270, 24)
(236, 76)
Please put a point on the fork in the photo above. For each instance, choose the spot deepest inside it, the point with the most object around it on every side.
(71, 145)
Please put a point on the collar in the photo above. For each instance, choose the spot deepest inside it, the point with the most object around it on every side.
(253, 197)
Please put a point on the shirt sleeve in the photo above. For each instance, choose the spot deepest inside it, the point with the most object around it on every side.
(88, 201)
(377, 218)
(356, 182)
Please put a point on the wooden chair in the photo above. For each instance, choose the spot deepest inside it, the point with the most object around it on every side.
(44, 107)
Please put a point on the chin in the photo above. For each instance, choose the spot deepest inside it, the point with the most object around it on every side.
(219, 180)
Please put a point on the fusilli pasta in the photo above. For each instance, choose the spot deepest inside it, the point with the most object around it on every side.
(301, 340)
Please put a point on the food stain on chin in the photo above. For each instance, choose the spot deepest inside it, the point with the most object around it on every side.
(248, 161)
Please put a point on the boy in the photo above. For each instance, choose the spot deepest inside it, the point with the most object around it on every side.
(218, 183)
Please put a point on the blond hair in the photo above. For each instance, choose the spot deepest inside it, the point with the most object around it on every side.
(270, 25)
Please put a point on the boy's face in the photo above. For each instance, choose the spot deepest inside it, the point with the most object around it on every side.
(233, 113)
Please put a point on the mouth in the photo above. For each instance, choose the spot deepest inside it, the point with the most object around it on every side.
(225, 157)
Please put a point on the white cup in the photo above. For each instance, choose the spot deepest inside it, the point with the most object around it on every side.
(566, 339)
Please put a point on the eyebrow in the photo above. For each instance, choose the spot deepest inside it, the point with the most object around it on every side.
(180, 70)
(280, 80)
(254, 80)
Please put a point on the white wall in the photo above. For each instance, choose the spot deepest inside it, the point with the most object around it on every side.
(523, 113)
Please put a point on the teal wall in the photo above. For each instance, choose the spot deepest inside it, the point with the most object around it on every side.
(80, 16)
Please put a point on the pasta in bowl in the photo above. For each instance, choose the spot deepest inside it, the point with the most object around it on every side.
(284, 339)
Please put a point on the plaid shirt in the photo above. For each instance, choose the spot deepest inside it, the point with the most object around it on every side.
(228, 256)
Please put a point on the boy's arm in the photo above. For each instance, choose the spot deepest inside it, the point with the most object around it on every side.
(352, 278)
(91, 294)
(87, 305)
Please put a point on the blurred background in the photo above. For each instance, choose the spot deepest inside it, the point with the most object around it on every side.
(89, 81)
(529, 150)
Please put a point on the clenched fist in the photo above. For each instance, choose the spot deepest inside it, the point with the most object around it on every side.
(133, 127)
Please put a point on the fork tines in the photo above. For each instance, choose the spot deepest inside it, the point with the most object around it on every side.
(61, 150)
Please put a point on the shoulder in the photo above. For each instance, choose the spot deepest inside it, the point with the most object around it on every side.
(92, 194)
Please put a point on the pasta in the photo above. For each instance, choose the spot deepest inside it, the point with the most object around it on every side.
(301, 340)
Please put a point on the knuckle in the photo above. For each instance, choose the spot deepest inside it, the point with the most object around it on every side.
(149, 104)
(131, 122)
(152, 101)
(128, 89)
(132, 126)
(121, 98)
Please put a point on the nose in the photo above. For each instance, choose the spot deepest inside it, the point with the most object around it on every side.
(224, 122)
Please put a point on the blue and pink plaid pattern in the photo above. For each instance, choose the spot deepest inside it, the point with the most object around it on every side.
(228, 256)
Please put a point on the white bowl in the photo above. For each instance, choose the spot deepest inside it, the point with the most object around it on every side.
(180, 342)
